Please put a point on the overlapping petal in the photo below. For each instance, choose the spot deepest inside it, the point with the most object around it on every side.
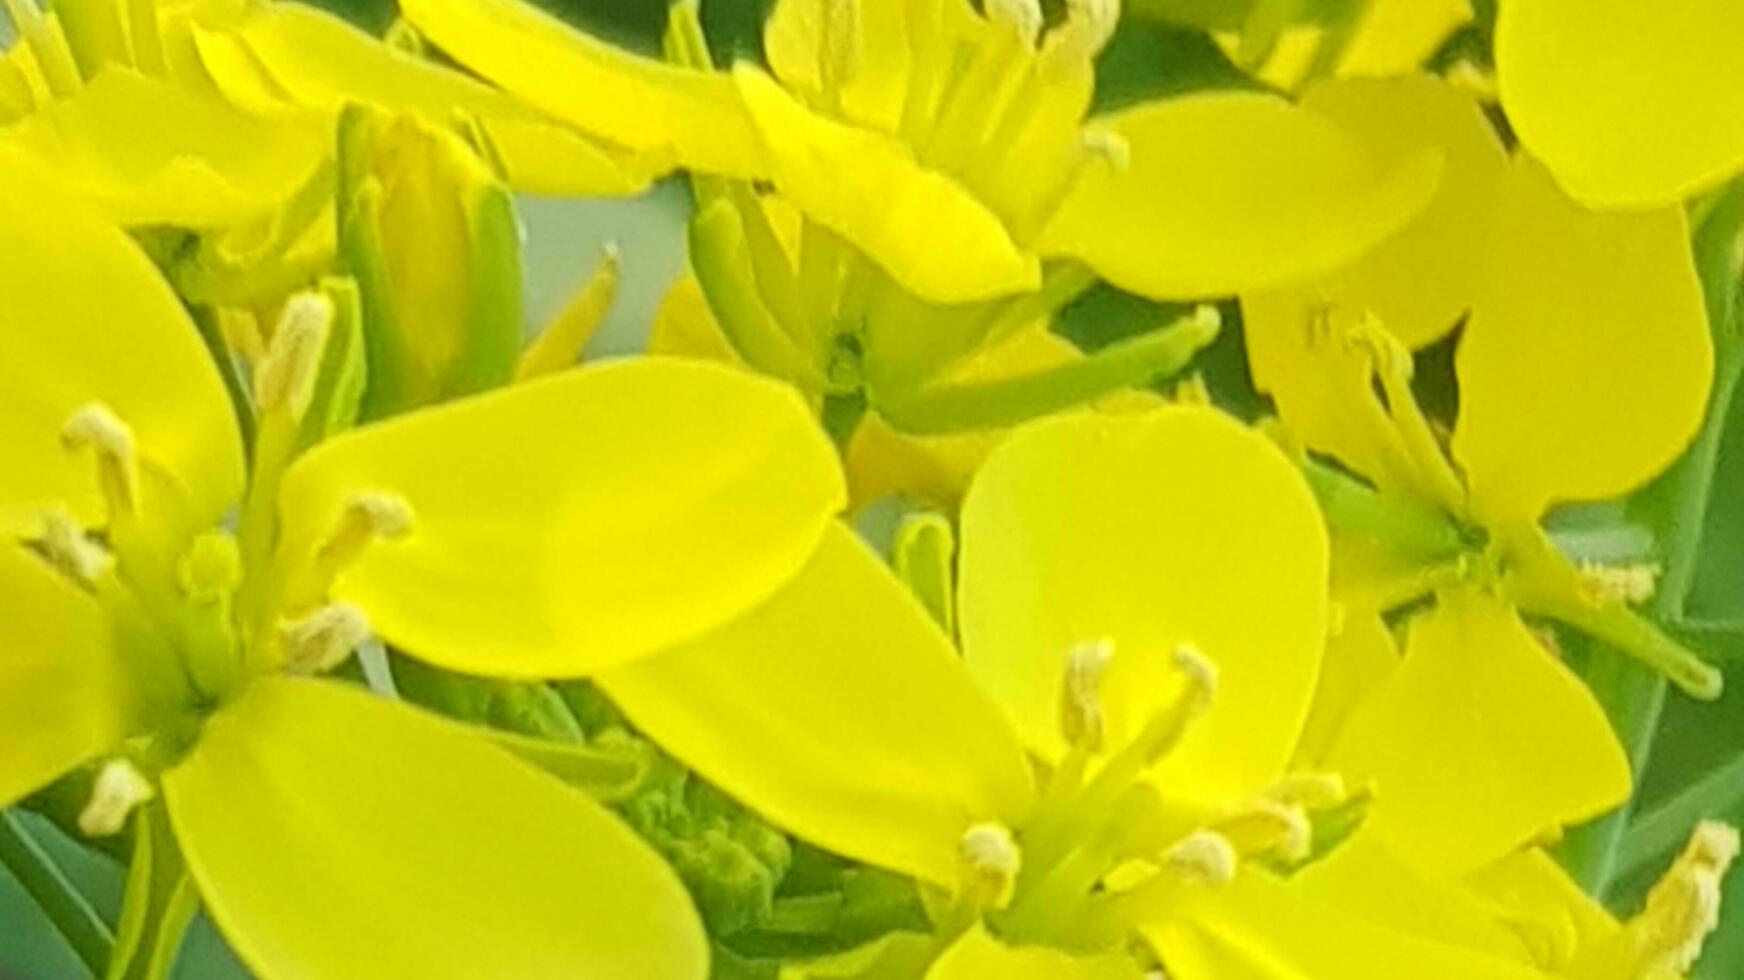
(62, 699)
(333, 834)
(1629, 104)
(579, 521)
(1480, 741)
(84, 317)
(977, 955)
(841, 712)
(635, 102)
(1232, 192)
(148, 152)
(1150, 531)
(1585, 367)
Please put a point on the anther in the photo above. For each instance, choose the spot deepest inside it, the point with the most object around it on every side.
(993, 860)
(1022, 16)
(1081, 716)
(97, 428)
(119, 789)
(1199, 671)
(1684, 907)
(284, 380)
(66, 546)
(323, 639)
(1269, 827)
(1087, 29)
(1620, 584)
(367, 517)
(1205, 855)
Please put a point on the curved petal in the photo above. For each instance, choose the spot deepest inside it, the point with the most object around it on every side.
(1630, 104)
(1421, 280)
(575, 522)
(838, 710)
(334, 834)
(932, 236)
(608, 93)
(977, 955)
(1360, 655)
(1178, 526)
(61, 694)
(85, 317)
(151, 153)
(1232, 192)
(292, 51)
(869, 40)
(1480, 742)
(1395, 37)
(1262, 928)
(1585, 367)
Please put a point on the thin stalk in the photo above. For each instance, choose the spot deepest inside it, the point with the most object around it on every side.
(67, 908)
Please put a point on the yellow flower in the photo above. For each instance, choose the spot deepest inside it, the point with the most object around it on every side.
(1629, 105)
(1583, 369)
(1104, 762)
(325, 829)
(1571, 935)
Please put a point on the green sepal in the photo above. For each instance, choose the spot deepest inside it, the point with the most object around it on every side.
(158, 902)
(922, 554)
(721, 255)
(493, 317)
(344, 373)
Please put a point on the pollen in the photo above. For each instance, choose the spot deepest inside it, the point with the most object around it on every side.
(119, 788)
(97, 428)
(323, 639)
(993, 860)
(1082, 719)
(284, 380)
(1205, 855)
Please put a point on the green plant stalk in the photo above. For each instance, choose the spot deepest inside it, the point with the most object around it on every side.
(69, 911)
(1635, 698)
(1659, 832)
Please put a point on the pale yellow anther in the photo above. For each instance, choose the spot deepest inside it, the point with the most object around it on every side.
(1022, 16)
(119, 788)
(1269, 827)
(1683, 908)
(323, 639)
(993, 859)
(1613, 584)
(96, 428)
(367, 517)
(70, 550)
(1205, 855)
(284, 379)
(1199, 671)
(1311, 790)
(211, 569)
(1082, 720)
(1088, 26)
(1109, 147)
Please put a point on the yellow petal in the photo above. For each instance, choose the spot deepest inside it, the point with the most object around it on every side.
(1481, 741)
(1395, 37)
(577, 521)
(976, 955)
(334, 834)
(318, 61)
(838, 710)
(86, 317)
(1421, 280)
(61, 698)
(1630, 104)
(1263, 928)
(1232, 192)
(1586, 364)
(1360, 655)
(925, 229)
(1177, 526)
(684, 326)
(854, 56)
(151, 153)
(611, 94)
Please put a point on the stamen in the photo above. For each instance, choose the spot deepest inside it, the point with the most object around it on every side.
(1684, 907)
(1200, 672)
(323, 639)
(284, 380)
(66, 546)
(120, 788)
(1627, 584)
(993, 860)
(1022, 16)
(1205, 855)
(1269, 827)
(367, 518)
(97, 428)
(1087, 29)
(1081, 716)
(1310, 790)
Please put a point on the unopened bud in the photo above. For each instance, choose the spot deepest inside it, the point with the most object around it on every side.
(119, 788)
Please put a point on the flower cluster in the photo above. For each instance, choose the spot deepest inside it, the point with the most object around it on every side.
(906, 611)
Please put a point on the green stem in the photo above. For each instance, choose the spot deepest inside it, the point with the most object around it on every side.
(1654, 834)
(1635, 698)
(993, 404)
(1404, 526)
(72, 915)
